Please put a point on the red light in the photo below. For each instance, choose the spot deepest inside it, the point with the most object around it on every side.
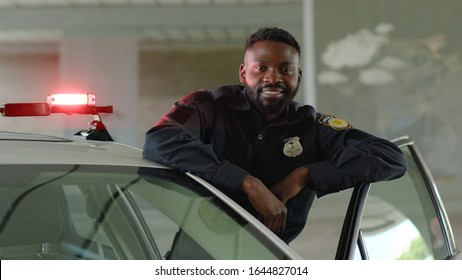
(86, 99)
(67, 103)
(25, 109)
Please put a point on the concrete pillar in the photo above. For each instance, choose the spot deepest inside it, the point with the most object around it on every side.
(107, 67)
(309, 59)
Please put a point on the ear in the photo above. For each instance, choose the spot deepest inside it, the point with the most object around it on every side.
(300, 75)
(242, 73)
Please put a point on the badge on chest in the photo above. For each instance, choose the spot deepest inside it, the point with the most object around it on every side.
(292, 147)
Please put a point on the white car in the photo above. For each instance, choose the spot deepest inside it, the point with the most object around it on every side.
(72, 199)
(86, 199)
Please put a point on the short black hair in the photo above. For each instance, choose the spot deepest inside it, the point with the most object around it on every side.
(272, 34)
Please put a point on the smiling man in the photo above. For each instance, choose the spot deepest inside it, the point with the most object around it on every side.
(271, 75)
(258, 146)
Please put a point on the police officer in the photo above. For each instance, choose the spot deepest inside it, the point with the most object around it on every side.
(261, 148)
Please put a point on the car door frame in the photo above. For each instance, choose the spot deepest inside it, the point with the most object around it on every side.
(351, 236)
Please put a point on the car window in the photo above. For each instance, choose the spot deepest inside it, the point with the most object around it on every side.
(84, 224)
(197, 224)
(117, 212)
(161, 227)
(320, 236)
(400, 220)
(67, 212)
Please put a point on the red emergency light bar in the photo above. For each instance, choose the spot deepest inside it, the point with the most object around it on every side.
(72, 99)
(83, 104)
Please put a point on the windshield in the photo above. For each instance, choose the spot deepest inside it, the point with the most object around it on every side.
(116, 212)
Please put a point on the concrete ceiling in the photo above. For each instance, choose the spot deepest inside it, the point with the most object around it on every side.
(156, 23)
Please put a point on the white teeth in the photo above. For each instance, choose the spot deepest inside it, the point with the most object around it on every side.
(271, 92)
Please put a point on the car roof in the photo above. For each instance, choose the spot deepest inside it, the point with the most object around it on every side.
(25, 148)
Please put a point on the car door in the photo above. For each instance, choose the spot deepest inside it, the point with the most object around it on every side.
(399, 219)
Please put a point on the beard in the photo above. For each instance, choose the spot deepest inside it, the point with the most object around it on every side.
(267, 106)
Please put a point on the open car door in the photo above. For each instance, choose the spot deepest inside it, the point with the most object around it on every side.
(399, 219)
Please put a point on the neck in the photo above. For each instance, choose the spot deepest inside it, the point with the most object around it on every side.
(271, 118)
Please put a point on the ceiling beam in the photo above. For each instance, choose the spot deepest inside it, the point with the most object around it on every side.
(135, 17)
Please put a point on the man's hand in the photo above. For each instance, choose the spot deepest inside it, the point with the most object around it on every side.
(273, 213)
(292, 184)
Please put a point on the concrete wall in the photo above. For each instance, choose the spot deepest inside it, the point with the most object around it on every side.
(166, 76)
(394, 68)
(27, 78)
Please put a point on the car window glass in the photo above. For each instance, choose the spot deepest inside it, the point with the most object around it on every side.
(162, 228)
(195, 225)
(117, 212)
(45, 217)
(399, 219)
(320, 236)
(83, 219)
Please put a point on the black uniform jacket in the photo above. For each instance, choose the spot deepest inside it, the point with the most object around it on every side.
(219, 137)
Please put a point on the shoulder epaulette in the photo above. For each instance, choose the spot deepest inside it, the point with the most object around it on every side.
(199, 96)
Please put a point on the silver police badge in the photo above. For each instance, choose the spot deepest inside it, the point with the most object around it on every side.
(292, 147)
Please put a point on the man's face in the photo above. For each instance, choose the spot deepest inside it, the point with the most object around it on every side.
(271, 75)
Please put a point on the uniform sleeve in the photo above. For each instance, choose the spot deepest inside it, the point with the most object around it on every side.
(352, 157)
(177, 141)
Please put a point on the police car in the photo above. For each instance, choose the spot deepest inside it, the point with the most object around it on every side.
(92, 198)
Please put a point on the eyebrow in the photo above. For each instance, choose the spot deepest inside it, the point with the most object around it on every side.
(282, 63)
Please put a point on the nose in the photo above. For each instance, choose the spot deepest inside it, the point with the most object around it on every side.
(273, 76)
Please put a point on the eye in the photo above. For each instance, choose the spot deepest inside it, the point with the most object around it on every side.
(287, 70)
(260, 68)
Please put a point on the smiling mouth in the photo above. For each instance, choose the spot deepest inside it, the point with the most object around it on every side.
(272, 92)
